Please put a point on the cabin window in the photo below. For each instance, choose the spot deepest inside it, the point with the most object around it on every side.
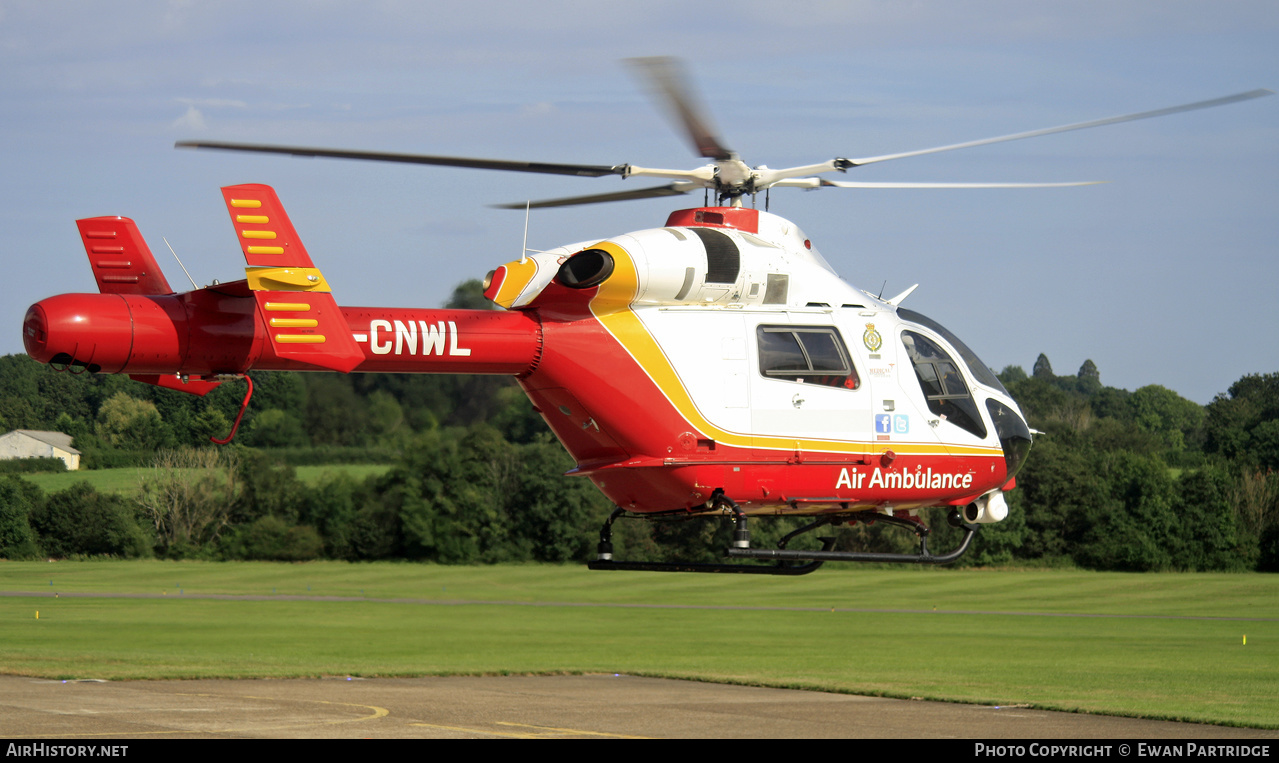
(806, 354)
(942, 383)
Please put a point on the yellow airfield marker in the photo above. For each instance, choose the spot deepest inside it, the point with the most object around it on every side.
(37, 614)
(1245, 639)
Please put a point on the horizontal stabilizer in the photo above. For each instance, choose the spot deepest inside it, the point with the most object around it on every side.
(309, 327)
(171, 381)
(121, 261)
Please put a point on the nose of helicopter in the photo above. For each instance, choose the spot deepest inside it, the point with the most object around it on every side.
(1013, 432)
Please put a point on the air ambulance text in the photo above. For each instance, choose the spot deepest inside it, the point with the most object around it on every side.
(920, 479)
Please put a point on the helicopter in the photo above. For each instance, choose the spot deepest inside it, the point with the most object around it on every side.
(713, 367)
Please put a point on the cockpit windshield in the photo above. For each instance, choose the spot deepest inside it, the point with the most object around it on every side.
(980, 371)
(942, 384)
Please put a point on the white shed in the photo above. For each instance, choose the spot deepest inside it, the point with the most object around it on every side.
(28, 443)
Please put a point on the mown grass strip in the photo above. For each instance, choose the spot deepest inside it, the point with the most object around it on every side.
(126, 481)
(1049, 591)
(832, 631)
(1175, 669)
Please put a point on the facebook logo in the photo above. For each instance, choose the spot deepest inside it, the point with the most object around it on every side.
(883, 423)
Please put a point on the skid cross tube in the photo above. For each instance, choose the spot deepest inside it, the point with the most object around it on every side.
(744, 569)
(782, 557)
(605, 559)
(826, 555)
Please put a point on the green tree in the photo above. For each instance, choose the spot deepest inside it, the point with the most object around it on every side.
(1212, 534)
(1043, 369)
(469, 295)
(1255, 496)
(20, 402)
(267, 488)
(333, 507)
(270, 538)
(517, 419)
(187, 495)
(1089, 378)
(1111, 402)
(1233, 418)
(282, 390)
(127, 422)
(335, 415)
(386, 416)
(1263, 443)
(274, 428)
(431, 496)
(1163, 412)
(1012, 374)
(19, 499)
(69, 425)
(80, 520)
(1137, 529)
(1058, 490)
(554, 518)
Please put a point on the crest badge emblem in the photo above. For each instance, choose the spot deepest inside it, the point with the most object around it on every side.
(871, 338)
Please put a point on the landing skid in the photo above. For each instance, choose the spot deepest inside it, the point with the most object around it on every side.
(785, 559)
(922, 556)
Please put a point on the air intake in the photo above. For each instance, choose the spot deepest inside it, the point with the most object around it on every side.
(723, 261)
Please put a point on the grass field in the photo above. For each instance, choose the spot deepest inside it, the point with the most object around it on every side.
(126, 481)
(1161, 646)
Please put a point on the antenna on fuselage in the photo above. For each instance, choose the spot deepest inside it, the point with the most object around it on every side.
(184, 267)
(524, 249)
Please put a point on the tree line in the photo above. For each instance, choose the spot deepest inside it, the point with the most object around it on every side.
(1144, 480)
(1116, 480)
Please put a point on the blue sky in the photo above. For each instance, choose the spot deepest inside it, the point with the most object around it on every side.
(1165, 275)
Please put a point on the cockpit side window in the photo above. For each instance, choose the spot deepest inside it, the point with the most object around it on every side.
(806, 354)
(942, 383)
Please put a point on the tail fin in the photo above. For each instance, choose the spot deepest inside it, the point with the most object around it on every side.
(123, 264)
(121, 261)
(304, 322)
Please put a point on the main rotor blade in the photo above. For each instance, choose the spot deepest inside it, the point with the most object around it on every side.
(667, 77)
(581, 170)
(1077, 126)
(674, 189)
(853, 184)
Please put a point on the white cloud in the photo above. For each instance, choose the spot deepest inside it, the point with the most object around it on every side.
(191, 120)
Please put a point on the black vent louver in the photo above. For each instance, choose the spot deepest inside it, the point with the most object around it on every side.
(723, 261)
